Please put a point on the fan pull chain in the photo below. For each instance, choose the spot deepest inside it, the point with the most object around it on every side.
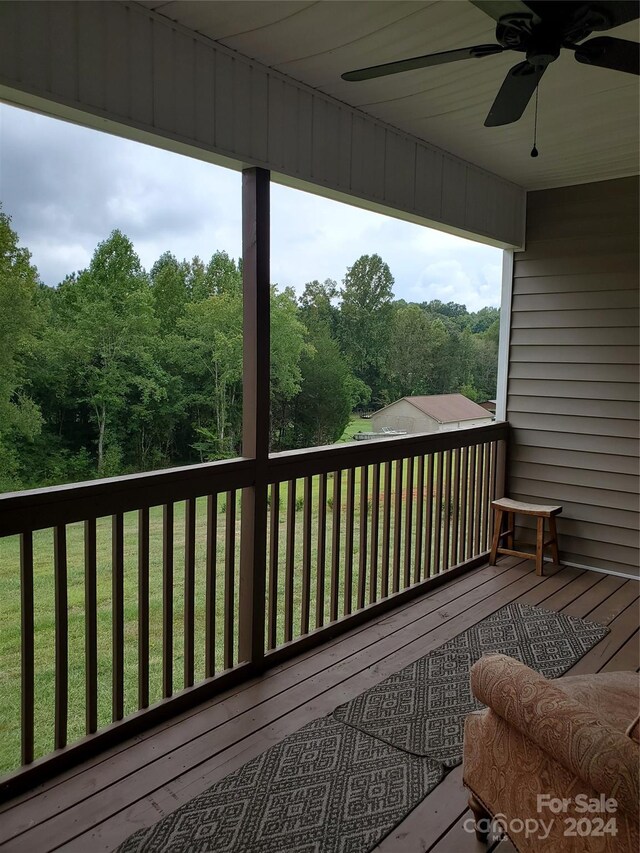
(534, 150)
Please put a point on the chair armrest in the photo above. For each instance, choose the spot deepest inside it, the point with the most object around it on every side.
(565, 729)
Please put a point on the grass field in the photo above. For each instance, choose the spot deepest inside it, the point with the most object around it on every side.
(10, 617)
(355, 425)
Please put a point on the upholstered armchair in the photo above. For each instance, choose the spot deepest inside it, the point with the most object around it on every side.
(554, 763)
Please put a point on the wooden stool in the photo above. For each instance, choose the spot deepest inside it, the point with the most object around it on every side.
(510, 507)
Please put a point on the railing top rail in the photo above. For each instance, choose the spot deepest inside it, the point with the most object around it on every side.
(38, 509)
(292, 464)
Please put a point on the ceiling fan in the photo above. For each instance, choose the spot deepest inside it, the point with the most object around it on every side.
(539, 29)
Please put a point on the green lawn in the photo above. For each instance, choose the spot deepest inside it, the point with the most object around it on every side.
(355, 425)
(44, 605)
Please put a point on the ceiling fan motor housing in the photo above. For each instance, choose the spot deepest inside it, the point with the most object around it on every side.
(544, 47)
(540, 42)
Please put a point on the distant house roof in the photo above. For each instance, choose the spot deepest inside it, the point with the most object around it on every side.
(445, 408)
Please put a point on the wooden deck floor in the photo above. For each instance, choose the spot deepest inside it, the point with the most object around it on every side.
(98, 804)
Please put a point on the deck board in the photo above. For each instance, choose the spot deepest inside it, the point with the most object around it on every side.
(98, 804)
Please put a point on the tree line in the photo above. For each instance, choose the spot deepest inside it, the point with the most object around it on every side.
(118, 369)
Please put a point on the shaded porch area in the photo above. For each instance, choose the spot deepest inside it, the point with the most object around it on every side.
(99, 803)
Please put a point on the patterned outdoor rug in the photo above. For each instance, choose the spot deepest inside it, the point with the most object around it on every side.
(422, 708)
(341, 783)
(326, 788)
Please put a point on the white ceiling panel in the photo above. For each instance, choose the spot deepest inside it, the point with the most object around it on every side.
(588, 118)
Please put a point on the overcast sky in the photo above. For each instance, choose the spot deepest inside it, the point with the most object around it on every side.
(67, 187)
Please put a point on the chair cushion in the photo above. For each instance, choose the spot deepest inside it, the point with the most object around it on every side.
(634, 729)
(612, 696)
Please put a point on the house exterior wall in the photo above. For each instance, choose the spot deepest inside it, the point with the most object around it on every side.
(402, 415)
(572, 396)
(125, 69)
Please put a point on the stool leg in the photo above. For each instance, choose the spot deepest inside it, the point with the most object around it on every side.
(554, 540)
(539, 545)
(511, 522)
(497, 530)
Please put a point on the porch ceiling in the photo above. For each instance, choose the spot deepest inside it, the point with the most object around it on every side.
(588, 118)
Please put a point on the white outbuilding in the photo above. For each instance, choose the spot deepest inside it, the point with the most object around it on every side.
(430, 414)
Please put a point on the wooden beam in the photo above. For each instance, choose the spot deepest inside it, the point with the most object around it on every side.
(255, 409)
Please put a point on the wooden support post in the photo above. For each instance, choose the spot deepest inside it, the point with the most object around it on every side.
(500, 489)
(255, 411)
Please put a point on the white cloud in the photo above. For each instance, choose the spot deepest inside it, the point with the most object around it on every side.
(68, 187)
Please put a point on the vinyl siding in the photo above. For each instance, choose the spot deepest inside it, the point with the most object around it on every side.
(572, 397)
(127, 70)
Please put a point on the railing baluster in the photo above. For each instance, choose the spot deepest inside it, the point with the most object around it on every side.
(446, 525)
(397, 526)
(375, 519)
(27, 643)
(289, 560)
(189, 589)
(306, 556)
(167, 600)
(486, 478)
(417, 557)
(229, 579)
(90, 627)
(210, 587)
(61, 636)
(274, 544)
(348, 543)
(463, 550)
(117, 613)
(428, 520)
(455, 500)
(322, 549)
(335, 545)
(437, 534)
(477, 481)
(386, 530)
(364, 521)
(408, 528)
(143, 607)
(473, 509)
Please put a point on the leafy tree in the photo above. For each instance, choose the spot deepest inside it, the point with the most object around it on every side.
(483, 319)
(365, 319)
(453, 310)
(317, 305)
(19, 414)
(325, 401)
(170, 291)
(414, 343)
(221, 275)
(288, 345)
(212, 359)
(111, 322)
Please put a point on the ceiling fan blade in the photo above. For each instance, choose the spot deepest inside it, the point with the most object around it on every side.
(609, 52)
(426, 61)
(514, 95)
(496, 9)
(602, 15)
(618, 12)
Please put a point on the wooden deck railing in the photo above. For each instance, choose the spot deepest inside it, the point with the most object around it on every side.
(135, 589)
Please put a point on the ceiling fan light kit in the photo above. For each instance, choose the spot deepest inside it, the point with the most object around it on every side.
(540, 30)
